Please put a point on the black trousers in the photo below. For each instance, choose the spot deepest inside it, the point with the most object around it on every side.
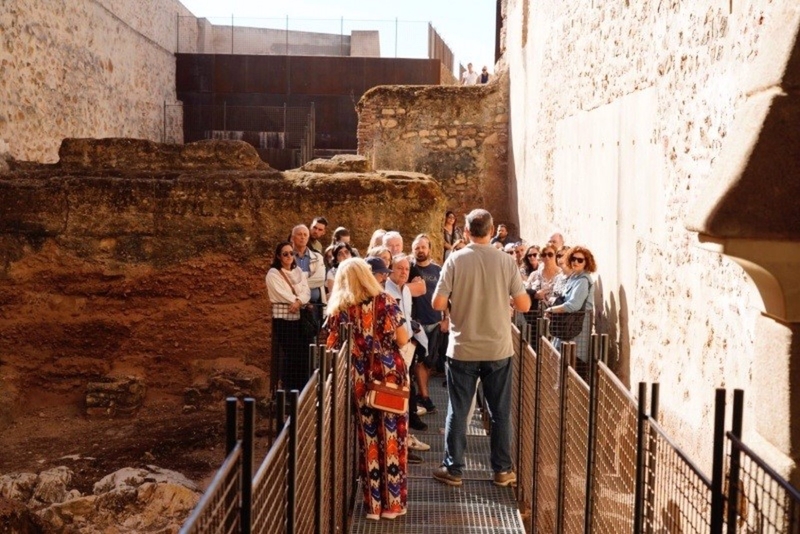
(290, 352)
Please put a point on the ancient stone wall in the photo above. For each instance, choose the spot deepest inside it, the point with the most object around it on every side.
(86, 68)
(619, 110)
(457, 135)
(131, 258)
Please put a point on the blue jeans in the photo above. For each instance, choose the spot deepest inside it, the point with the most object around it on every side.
(462, 378)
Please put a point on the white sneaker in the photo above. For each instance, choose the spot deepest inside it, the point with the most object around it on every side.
(416, 445)
(421, 410)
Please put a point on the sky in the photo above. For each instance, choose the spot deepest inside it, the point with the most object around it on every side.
(469, 31)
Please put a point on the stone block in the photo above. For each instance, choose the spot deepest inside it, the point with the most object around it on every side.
(115, 396)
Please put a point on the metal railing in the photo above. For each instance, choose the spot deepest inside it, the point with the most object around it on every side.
(293, 489)
(602, 463)
(589, 458)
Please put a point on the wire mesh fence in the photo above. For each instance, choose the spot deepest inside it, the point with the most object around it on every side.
(218, 511)
(677, 495)
(270, 488)
(576, 445)
(304, 497)
(524, 408)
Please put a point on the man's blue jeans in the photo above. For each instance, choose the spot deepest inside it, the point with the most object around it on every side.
(462, 378)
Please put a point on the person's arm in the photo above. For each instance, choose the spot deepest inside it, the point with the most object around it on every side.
(575, 298)
(401, 334)
(278, 289)
(316, 278)
(519, 297)
(521, 302)
(417, 286)
(302, 288)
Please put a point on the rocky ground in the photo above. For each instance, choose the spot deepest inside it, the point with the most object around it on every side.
(53, 435)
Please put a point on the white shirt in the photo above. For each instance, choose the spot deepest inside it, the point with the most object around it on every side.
(470, 78)
(281, 295)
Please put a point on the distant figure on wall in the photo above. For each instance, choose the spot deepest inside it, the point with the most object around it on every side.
(470, 77)
(484, 78)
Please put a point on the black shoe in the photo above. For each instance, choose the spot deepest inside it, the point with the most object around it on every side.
(416, 423)
(426, 403)
(414, 458)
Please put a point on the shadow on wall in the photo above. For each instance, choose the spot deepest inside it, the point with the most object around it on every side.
(614, 321)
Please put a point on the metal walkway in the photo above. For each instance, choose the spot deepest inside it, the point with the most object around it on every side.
(478, 506)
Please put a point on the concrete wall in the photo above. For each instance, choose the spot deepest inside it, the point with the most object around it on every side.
(82, 68)
(618, 111)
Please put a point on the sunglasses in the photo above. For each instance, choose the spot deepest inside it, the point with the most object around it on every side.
(532, 255)
(287, 254)
(511, 252)
(577, 259)
(547, 255)
(559, 256)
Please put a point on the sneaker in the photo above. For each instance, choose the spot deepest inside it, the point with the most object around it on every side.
(421, 410)
(426, 403)
(414, 458)
(386, 514)
(443, 475)
(416, 423)
(373, 517)
(416, 445)
(505, 479)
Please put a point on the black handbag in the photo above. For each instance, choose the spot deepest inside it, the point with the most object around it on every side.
(567, 326)
(308, 321)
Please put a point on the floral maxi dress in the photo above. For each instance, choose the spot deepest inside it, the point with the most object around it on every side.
(381, 435)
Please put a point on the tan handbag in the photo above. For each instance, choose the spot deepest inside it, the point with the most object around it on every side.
(382, 395)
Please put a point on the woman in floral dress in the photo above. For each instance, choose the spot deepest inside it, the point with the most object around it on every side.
(358, 299)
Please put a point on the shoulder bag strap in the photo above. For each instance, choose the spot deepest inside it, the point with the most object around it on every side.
(288, 281)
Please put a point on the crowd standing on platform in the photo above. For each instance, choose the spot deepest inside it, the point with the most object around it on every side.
(413, 319)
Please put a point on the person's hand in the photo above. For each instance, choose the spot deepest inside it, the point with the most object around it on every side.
(444, 325)
(541, 294)
(295, 307)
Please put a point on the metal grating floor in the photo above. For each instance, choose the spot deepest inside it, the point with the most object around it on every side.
(478, 506)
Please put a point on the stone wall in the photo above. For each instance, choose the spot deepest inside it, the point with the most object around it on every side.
(85, 68)
(618, 111)
(457, 135)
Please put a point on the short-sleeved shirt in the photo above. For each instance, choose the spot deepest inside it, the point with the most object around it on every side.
(422, 309)
(478, 280)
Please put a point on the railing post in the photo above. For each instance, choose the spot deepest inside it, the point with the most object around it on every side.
(717, 493)
(291, 505)
(523, 334)
(321, 448)
(594, 353)
(537, 411)
(248, 428)
(651, 460)
(336, 454)
(230, 424)
(567, 353)
(735, 465)
(638, 502)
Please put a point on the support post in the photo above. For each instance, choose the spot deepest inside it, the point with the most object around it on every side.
(638, 503)
(247, 464)
(322, 376)
(291, 508)
(736, 461)
(649, 493)
(230, 424)
(717, 464)
(594, 352)
(567, 353)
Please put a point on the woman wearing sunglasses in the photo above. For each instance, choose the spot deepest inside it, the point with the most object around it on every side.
(578, 296)
(530, 262)
(540, 282)
(288, 290)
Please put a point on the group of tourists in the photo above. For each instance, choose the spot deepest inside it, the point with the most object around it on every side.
(413, 319)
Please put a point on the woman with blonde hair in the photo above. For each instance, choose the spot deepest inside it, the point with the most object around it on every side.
(377, 336)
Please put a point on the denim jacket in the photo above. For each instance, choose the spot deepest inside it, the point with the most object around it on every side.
(579, 289)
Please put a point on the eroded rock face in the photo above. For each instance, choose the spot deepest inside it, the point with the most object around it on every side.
(145, 267)
(338, 163)
(115, 396)
(122, 154)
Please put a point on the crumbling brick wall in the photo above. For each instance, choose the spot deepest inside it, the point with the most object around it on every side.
(457, 135)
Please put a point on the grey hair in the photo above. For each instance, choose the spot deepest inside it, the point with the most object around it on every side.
(479, 223)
